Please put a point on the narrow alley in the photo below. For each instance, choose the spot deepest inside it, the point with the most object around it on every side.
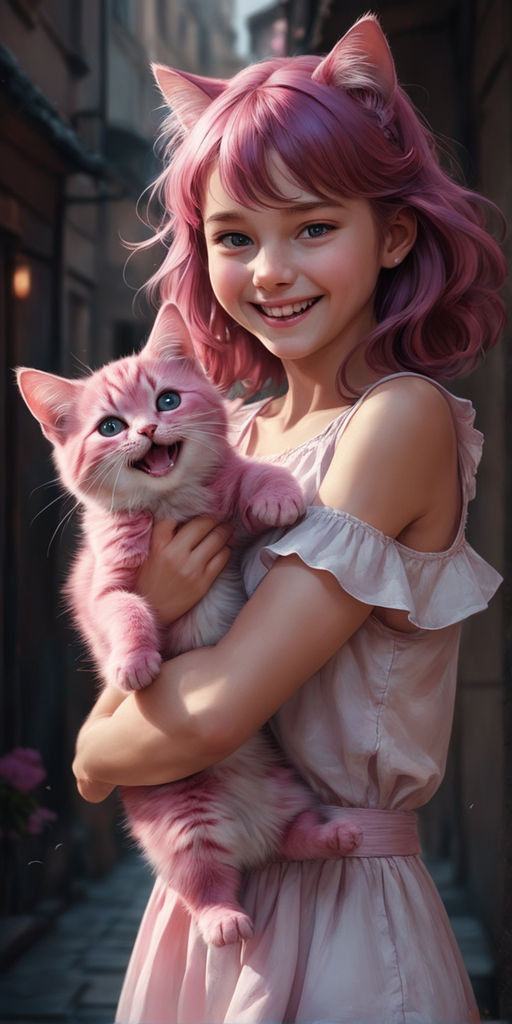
(73, 973)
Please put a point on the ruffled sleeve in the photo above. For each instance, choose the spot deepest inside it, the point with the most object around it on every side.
(470, 442)
(436, 589)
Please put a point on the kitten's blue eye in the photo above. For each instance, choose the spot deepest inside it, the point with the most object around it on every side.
(167, 401)
(111, 426)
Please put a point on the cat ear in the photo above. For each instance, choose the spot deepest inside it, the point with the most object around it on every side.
(188, 95)
(51, 400)
(360, 60)
(170, 337)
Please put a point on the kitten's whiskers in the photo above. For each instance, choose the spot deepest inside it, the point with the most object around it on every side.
(62, 522)
(60, 497)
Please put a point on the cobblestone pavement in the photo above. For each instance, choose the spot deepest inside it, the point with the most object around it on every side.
(73, 973)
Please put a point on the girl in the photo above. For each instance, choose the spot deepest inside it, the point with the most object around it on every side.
(315, 236)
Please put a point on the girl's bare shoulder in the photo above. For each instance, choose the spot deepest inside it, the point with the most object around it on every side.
(408, 415)
(396, 457)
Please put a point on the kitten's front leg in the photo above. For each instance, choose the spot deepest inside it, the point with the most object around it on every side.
(134, 659)
(267, 495)
(270, 496)
(129, 657)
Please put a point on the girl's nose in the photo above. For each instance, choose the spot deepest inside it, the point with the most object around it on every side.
(271, 269)
(148, 429)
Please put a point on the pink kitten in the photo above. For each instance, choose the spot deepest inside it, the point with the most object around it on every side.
(144, 438)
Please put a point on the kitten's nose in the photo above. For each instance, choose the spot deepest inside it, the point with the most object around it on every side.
(148, 430)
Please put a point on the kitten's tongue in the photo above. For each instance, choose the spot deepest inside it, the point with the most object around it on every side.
(159, 460)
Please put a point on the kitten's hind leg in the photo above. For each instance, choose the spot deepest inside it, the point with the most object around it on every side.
(210, 889)
(224, 925)
(310, 838)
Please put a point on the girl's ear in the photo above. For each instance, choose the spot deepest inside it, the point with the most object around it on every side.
(187, 95)
(399, 237)
(51, 400)
(170, 337)
(360, 60)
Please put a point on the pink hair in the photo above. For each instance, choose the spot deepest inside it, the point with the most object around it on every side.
(437, 313)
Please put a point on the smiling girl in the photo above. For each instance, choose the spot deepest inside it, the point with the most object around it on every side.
(315, 237)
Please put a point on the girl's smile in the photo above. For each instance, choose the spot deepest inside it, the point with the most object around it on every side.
(284, 315)
(301, 277)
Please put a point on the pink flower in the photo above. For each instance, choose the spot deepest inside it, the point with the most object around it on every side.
(38, 819)
(22, 769)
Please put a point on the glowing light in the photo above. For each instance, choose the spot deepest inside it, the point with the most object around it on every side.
(22, 281)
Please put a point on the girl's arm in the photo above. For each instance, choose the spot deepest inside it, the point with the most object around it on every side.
(206, 702)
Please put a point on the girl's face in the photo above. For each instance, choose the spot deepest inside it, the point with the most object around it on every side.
(301, 277)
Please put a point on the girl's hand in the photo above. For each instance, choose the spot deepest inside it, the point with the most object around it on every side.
(183, 562)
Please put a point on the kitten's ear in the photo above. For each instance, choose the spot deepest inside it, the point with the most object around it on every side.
(360, 60)
(170, 337)
(51, 400)
(187, 95)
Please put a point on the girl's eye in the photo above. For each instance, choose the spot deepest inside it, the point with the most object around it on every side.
(111, 426)
(167, 401)
(317, 230)
(234, 240)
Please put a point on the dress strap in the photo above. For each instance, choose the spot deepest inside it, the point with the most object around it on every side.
(253, 410)
(383, 833)
(392, 376)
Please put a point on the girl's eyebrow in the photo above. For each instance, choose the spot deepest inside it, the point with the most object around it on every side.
(228, 216)
(317, 204)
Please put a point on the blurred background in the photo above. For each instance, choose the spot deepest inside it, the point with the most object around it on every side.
(79, 116)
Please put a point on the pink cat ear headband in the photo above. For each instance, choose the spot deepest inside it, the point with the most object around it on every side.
(360, 60)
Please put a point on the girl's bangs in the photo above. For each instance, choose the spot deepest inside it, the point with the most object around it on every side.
(298, 130)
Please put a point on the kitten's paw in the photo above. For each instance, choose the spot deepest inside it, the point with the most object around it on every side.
(135, 671)
(222, 926)
(281, 509)
(341, 837)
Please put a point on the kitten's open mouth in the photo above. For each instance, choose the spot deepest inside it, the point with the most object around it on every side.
(160, 459)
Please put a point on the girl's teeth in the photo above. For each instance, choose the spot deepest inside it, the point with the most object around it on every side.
(289, 310)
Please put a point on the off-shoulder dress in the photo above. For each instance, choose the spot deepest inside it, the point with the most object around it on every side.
(362, 939)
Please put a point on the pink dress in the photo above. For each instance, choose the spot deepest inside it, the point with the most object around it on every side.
(359, 940)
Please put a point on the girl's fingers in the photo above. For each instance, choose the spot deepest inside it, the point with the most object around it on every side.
(196, 530)
(213, 542)
(164, 531)
(197, 540)
(215, 565)
(183, 562)
(194, 564)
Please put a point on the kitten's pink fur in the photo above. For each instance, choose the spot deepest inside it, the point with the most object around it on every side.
(176, 463)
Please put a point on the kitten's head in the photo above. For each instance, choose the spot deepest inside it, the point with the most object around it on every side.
(137, 430)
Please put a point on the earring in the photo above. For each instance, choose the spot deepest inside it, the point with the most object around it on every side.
(397, 259)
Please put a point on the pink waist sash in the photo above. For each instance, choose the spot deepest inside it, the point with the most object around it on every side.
(383, 833)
